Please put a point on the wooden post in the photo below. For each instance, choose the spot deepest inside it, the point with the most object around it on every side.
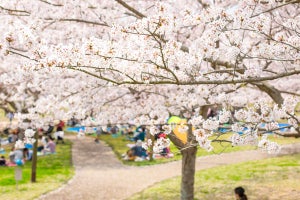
(34, 159)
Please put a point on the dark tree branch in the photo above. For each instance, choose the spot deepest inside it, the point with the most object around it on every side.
(136, 12)
(79, 21)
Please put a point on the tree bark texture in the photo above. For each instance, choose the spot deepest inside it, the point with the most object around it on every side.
(188, 173)
(188, 167)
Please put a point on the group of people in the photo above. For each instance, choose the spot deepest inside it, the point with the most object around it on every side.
(13, 134)
(138, 153)
(17, 157)
(46, 144)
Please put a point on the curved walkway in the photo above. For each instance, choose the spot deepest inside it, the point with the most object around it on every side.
(100, 175)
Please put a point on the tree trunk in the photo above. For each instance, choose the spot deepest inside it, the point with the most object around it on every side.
(188, 173)
(189, 153)
(34, 159)
(151, 147)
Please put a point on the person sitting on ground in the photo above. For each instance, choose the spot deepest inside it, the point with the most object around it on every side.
(42, 141)
(49, 130)
(98, 133)
(40, 132)
(27, 154)
(240, 193)
(166, 152)
(12, 155)
(18, 155)
(136, 152)
(2, 161)
(10, 137)
(129, 155)
(59, 134)
(50, 147)
(140, 135)
(139, 151)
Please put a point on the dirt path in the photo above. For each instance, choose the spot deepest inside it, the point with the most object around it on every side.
(100, 175)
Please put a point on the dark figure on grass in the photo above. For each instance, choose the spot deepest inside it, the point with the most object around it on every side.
(240, 193)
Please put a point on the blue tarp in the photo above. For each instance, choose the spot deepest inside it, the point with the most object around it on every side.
(224, 129)
(280, 125)
(77, 128)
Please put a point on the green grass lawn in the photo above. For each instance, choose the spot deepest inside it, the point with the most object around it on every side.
(274, 178)
(52, 172)
(118, 145)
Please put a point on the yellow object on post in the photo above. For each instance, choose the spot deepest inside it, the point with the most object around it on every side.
(177, 121)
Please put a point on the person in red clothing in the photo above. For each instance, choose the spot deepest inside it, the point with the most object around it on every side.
(59, 134)
(60, 125)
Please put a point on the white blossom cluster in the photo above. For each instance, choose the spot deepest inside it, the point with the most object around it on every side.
(29, 133)
(196, 120)
(236, 127)
(201, 136)
(268, 146)
(147, 144)
(154, 130)
(19, 144)
(240, 115)
(249, 137)
(205, 144)
(28, 139)
(211, 124)
(293, 122)
(271, 126)
(167, 129)
(224, 116)
(160, 144)
(289, 104)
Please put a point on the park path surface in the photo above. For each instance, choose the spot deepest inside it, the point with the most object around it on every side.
(100, 175)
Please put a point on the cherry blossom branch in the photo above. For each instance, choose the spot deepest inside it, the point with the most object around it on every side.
(276, 7)
(163, 57)
(22, 55)
(266, 35)
(225, 71)
(291, 93)
(115, 99)
(156, 76)
(78, 20)
(52, 4)
(220, 82)
(107, 69)
(204, 5)
(136, 12)
(92, 74)
(17, 11)
(121, 58)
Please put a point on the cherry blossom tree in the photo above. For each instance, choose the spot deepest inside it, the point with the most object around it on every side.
(150, 59)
